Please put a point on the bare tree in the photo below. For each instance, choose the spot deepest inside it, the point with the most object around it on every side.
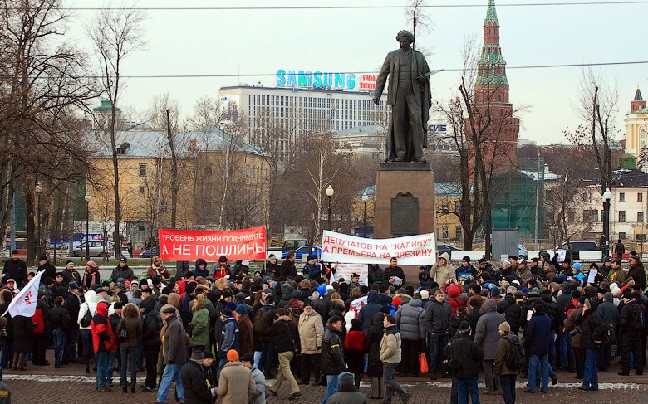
(116, 33)
(416, 14)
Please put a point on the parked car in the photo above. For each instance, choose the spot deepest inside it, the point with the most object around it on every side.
(149, 253)
(522, 251)
(577, 247)
(302, 252)
(96, 249)
(441, 248)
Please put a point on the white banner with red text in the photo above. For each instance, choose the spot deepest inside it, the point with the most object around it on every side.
(189, 245)
(24, 303)
(409, 250)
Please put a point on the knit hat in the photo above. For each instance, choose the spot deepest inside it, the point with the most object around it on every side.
(241, 309)
(464, 326)
(247, 357)
(226, 312)
(466, 258)
(505, 327)
(232, 355)
(346, 379)
(69, 262)
(92, 264)
(576, 266)
(397, 301)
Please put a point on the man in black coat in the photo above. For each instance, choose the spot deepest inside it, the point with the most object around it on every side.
(332, 355)
(49, 270)
(631, 328)
(393, 270)
(15, 269)
(288, 269)
(196, 390)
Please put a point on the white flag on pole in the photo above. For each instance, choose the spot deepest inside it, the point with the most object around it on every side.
(24, 303)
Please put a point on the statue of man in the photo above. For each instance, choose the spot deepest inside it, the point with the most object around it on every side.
(409, 96)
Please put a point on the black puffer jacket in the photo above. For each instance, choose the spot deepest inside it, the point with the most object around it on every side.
(592, 329)
(151, 323)
(193, 381)
(285, 335)
(59, 318)
(467, 353)
(512, 312)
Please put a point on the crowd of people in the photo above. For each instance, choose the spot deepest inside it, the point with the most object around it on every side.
(224, 331)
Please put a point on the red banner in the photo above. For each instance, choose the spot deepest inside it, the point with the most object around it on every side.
(189, 245)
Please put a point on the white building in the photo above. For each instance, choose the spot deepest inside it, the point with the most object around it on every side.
(636, 128)
(299, 110)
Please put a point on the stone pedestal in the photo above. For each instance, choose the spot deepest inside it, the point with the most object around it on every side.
(404, 200)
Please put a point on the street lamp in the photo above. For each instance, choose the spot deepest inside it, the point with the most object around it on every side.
(39, 191)
(365, 198)
(329, 194)
(607, 196)
(87, 233)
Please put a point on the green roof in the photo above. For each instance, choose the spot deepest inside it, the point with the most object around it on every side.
(105, 107)
(495, 79)
(491, 14)
(641, 111)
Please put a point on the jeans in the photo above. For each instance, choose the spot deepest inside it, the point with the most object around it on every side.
(86, 343)
(284, 372)
(331, 387)
(257, 359)
(508, 388)
(59, 338)
(128, 359)
(590, 374)
(390, 383)
(465, 388)
(111, 366)
(535, 362)
(436, 345)
(552, 354)
(171, 374)
(71, 346)
(101, 379)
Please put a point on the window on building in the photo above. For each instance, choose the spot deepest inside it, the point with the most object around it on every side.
(622, 216)
(590, 216)
(457, 232)
(640, 197)
(444, 232)
(142, 190)
(640, 217)
(640, 237)
(142, 170)
(621, 196)
(622, 235)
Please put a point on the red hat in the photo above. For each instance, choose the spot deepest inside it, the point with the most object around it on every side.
(232, 355)
(397, 301)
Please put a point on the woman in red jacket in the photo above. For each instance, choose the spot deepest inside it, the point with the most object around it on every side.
(103, 341)
(354, 348)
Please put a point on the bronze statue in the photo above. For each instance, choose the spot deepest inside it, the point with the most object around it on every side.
(409, 96)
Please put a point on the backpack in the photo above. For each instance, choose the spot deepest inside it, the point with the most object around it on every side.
(450, 365)
(87, 318)
(637, 320)
(609, 336)
(515, 358)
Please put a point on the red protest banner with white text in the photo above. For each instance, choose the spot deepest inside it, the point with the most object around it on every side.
(189, 245)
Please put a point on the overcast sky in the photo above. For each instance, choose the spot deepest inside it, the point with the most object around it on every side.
(256, 43)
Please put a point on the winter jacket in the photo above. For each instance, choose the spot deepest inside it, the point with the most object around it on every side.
(372, 346)
(512, 312)
(23, 334)
(259, 383)
(311, 332)
(200, 327)
(393, 271)
(504, 349)
(151, 323)
(354, 346)
(133, 332)
(411, 320)
(437, 316)
(638, 273)
(103, 337)
(443, 273)
(287, 269)
(375, 275)
(486, 332)
(246, 334)
(626, 318)
(235, 384)
(537, 336)
(570, 325)
(173, 345)
(608, 312)
(592, 329)
(368, 311)
(125, 273)
(285, 336)
(16, 270)
(59, 318)
(263, 319)
(201, 272)
(229, 337)
(193, 381)
(390, 346)
(332, 353)
(467, 353)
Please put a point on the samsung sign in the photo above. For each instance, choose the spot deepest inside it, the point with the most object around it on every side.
(318, 79)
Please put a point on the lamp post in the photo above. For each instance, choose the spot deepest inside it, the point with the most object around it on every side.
(607, 196)
(329, 194)
(365, 198)
(87, 232)
(39, 191)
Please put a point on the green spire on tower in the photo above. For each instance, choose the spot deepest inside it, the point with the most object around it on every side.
(491, 14)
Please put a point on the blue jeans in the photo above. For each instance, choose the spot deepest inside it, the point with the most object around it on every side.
(541, 362)
(128, 357)
(564, 355)
(101, 379)
(268, 354)
(110, 367)
(590, 374)
(508, 388)
(86, 344)
(171, 374)
(331, 387)
(436, 344)
(6, 354)
(59, 338)
(467, 387)
(390, 383)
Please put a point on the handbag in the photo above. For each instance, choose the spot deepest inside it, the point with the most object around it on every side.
(123, 334)
(423, 365)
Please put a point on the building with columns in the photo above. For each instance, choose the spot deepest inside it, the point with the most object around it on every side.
(636, 130)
